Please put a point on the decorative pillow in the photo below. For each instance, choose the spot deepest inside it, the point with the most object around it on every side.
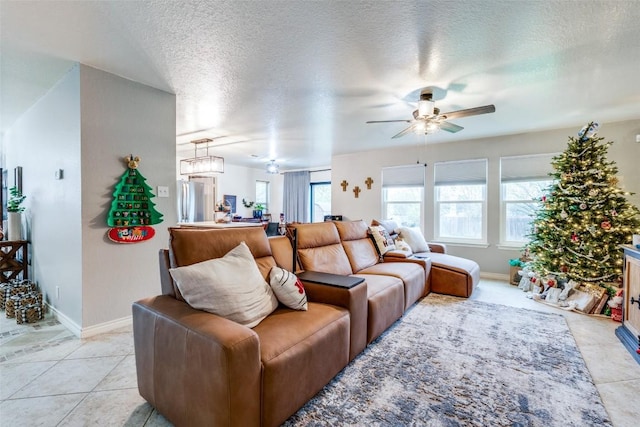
(288, 288)
(388, 224)
(403, 246)
(231, 287)
(381, 237)
(414, 238)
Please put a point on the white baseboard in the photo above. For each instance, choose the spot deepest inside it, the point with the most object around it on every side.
(109, 326)
(89, 331)
(65, 321)
(494, 276)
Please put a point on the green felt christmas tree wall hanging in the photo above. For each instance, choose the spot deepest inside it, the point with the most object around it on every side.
(132, 210)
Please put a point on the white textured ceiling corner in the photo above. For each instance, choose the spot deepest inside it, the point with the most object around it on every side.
(295, 81)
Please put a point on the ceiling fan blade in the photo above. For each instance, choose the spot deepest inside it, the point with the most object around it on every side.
(410, 129)
(388, 121)
(450, 127)
(469, 112)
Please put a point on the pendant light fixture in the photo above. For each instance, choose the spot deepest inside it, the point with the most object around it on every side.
(202, 165)
(273, 168)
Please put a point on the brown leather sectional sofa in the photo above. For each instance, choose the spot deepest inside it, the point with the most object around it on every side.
(197, 368)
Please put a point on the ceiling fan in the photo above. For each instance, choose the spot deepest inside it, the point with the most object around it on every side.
(427, 118)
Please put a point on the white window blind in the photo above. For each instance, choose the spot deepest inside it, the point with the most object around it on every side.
(526, 168)
(403, 176)
(466, 172)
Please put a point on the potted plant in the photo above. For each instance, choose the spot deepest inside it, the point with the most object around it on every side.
(14, 210)
(257, 210)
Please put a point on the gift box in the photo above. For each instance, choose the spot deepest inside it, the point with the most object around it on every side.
(12, 304)
(30, 313)
(616, 314)
(15, 303)
(4, 292)
(514, 277)
(14, 287)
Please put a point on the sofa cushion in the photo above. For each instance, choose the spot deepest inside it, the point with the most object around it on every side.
(190, 245)
(288, 288)
(325, 259)
(452, 275)
(414, 238)
(231, 287)
(319, 248)
(382, 239)
(385, 303)
(301, 351)
(361, 253)
(358, 244)
(413, 276)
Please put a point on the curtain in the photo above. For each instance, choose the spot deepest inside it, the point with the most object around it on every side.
(296, 196)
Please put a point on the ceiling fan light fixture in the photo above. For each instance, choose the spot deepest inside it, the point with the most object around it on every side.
(273, 168)
(425, 108)
(432, 127)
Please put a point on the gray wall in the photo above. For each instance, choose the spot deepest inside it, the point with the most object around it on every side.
(86, 125)
(355, 168)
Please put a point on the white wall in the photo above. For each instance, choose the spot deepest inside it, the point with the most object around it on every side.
(355, 168)
(85, 125)
(46, 138)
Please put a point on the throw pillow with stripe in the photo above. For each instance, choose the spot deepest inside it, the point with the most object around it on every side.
(288, 288)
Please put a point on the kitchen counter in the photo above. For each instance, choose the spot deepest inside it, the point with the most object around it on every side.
(213, 224)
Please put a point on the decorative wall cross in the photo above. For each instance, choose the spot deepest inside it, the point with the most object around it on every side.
(369, 181)
(344, 185)
(356, 191)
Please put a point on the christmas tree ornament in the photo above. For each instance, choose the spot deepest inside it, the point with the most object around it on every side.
(588, 131)
(606, 225)
(593, 192)
(564, 214)
(583, 206)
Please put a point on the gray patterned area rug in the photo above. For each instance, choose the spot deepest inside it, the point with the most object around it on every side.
(455, 362)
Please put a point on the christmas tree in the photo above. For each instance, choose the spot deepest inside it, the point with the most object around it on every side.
(584, 217)
(132, 205)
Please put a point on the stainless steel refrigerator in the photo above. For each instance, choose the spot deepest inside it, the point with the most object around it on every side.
(196, 200)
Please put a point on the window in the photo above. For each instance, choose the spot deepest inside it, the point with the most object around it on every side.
(523, 181)
(320, 200)
(403, 194)
(461, 201)
(262, 194)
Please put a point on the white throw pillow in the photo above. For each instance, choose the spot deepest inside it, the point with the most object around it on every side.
(403, 246)
(414, 238)
(231, 287)
(288, 288)
(381, 237)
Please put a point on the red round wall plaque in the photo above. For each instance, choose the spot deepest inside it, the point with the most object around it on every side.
(133, 234)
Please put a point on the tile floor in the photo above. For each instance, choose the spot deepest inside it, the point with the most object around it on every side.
(48, 377)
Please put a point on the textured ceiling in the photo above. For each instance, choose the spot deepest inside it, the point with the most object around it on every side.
(296, 80)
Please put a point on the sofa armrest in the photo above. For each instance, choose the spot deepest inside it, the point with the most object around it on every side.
(440, 248)
(353, 299)
(195, 367)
